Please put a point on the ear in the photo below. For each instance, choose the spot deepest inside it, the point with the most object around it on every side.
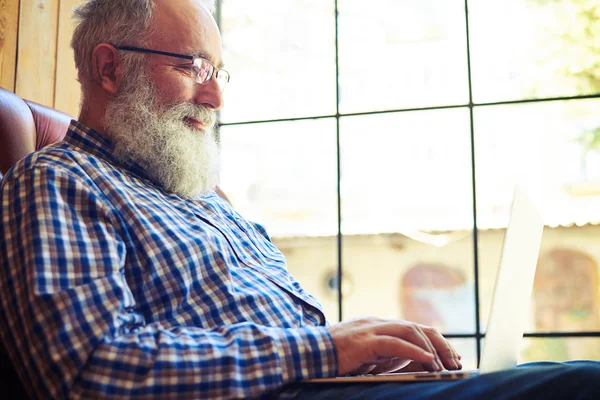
(107, 68)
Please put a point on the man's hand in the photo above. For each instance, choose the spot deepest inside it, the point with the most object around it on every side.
(375, 345)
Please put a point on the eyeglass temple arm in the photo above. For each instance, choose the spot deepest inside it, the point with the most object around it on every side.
(164, 53)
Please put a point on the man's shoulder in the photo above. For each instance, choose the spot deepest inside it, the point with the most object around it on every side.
(57, 158)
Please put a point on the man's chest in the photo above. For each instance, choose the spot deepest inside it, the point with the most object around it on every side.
(198, 264)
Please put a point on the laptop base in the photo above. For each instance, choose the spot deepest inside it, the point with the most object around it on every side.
(400, 377)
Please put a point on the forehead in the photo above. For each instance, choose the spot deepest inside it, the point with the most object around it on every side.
(185, 26)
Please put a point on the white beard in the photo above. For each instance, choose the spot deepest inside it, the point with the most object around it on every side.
(179, 158)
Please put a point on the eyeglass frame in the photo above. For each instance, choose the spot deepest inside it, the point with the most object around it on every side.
(215, 70)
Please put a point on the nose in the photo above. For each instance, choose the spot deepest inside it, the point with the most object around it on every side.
(209, 95)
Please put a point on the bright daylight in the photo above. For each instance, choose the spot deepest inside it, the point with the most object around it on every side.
(406, 177)
(300, 199)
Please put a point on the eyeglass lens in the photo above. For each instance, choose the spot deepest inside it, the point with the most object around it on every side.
(205, 70)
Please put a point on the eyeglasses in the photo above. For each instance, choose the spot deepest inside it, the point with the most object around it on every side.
(201, 69)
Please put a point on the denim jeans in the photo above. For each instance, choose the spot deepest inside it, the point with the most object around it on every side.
(540, 380)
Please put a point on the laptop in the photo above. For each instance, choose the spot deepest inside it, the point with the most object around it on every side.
(512, 293)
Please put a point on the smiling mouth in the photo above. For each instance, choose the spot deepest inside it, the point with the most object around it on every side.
(194, 123)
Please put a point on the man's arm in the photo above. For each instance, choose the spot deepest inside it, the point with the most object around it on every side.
(70, 321)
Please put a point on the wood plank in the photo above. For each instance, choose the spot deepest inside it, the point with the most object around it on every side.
(36, 65)
(67, 92)
(9, 28)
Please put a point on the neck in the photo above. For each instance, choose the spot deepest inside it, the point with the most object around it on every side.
(92, 114)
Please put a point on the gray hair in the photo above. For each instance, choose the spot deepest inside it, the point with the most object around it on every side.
(124, 22)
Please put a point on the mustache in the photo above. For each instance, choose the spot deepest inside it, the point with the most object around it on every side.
(205, 115)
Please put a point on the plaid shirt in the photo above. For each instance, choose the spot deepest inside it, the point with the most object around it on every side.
(110, 287)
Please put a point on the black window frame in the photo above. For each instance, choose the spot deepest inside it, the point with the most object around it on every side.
(478, 335)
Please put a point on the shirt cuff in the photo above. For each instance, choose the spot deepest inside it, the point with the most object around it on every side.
(306, 353)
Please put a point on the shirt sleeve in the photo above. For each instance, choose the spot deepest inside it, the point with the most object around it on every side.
(70, 323)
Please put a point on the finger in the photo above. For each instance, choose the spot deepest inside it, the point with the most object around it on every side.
(421, 339)
(454, 353)
(455, 357)
(445, 351)
(438, 362)
(411, 333)
(444, 348)
(413, 367)
(391, 365)
(377, 366)
(364, 369)
(388, 346)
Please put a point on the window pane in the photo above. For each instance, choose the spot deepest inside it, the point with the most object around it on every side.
(393, 276)
(406, 172)
(407, 217)
(402, 54)
(547, 148)
(281, 56)
(283, 175)
(559, 349)
(534, 48)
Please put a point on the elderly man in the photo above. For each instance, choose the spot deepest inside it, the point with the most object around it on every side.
(122, 274)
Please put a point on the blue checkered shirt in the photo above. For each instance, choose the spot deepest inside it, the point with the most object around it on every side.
(111, 287)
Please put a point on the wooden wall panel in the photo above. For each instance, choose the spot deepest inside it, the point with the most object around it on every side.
(67, 91)
(9, 27)
(36, 66)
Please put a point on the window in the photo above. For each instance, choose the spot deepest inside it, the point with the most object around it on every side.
(383, 140)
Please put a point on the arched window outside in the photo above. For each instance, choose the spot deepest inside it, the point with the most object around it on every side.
(566, 298)
(437, 295)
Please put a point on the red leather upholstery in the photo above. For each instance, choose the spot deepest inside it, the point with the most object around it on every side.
(26, 126)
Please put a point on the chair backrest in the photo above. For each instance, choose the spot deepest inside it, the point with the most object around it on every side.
(26, 126)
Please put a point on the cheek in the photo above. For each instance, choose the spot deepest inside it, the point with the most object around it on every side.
(172, 88)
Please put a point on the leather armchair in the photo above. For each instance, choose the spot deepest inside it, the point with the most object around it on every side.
(26, 126)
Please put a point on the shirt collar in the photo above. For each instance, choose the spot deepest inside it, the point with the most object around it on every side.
(94, 143)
